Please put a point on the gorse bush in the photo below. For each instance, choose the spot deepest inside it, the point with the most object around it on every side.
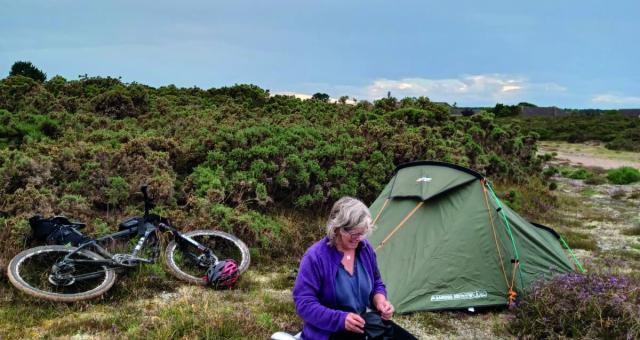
(226, 157)
(623, 175)
(576, 305)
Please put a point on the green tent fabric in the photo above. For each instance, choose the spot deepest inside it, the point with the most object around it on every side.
(439, 246)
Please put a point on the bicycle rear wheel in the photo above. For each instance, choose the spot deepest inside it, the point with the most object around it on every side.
(31, 272)
(223, 245)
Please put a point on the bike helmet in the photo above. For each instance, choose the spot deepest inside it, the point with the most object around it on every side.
(223, 274)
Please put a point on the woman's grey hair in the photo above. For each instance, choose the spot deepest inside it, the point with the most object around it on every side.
(348, 213)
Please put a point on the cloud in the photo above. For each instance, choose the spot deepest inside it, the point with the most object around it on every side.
(615, 99)
(302, 96)
(480, 88)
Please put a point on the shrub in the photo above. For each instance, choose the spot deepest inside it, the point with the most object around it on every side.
(623, 175)
(633, 231)
(595, 180)
(114, 103)
(618, 194)
(580, 306)
(117, 191)
(575, 173)
(205, 182)
(16, 128)
(19, 93)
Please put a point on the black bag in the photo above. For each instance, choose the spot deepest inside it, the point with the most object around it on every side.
(375, 327)
(57, 230)
(67, 235)
(41, 228)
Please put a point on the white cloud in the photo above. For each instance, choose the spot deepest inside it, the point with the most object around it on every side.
(302, 96)
(615, 99)
(481, 88)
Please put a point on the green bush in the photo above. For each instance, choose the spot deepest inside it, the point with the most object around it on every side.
(575, 173)
(623, 175)
(114, 103)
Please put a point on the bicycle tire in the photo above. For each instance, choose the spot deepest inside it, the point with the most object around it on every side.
(234, 249)
(21, 278)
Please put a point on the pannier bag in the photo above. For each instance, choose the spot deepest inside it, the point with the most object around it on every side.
(131, 223)
(57, 230)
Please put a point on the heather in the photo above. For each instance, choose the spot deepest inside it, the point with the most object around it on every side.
(592, 305)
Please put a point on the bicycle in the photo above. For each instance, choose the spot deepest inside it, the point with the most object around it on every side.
(64, 273)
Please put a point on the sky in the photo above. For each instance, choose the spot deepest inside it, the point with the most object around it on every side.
(565, 53)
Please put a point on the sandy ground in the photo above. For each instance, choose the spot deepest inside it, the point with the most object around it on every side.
(590, 155)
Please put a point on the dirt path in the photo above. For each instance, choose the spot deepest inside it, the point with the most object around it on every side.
(590, 155)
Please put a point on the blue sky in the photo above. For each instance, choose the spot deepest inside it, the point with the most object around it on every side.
(578, 54)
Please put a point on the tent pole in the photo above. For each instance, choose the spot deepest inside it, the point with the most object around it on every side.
(513, 243)
(572, 255)
(399, 225)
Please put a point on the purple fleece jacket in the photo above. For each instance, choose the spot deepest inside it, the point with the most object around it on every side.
(314, 292)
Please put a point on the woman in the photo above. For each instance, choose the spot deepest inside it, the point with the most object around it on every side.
(338, 279)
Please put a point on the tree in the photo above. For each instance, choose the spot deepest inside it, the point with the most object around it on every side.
(26, 68)
(525, 104)
(323, 97)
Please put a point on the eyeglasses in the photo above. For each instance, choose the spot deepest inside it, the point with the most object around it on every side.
(354, 236)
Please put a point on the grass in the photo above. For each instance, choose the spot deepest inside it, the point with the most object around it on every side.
(595, 150)
(588, 192)
(577, 240)
(438, 322)
(634, 231)
(575, 172)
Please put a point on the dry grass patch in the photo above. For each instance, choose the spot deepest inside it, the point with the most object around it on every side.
(577, 240)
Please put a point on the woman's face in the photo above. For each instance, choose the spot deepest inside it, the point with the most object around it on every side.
(350, 239)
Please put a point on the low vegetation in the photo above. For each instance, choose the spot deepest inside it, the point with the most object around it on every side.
(227, 158)
(616, 131)
(594, 305)
(623, 175)
(264, 167)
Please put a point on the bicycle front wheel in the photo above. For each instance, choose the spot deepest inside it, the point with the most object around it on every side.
(180, 259)
(31, 271)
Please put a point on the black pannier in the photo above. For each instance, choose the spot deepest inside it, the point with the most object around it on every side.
(57, 230)
(130, 223)
(67, 235)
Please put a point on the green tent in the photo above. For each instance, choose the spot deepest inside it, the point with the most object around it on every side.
(444, 241)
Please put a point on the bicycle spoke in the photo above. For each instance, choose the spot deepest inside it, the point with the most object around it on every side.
(37, 271)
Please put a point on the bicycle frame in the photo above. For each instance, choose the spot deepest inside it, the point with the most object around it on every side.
(110, 259)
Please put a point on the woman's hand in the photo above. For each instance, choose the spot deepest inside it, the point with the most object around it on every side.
(383, 306)
(354, 323)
